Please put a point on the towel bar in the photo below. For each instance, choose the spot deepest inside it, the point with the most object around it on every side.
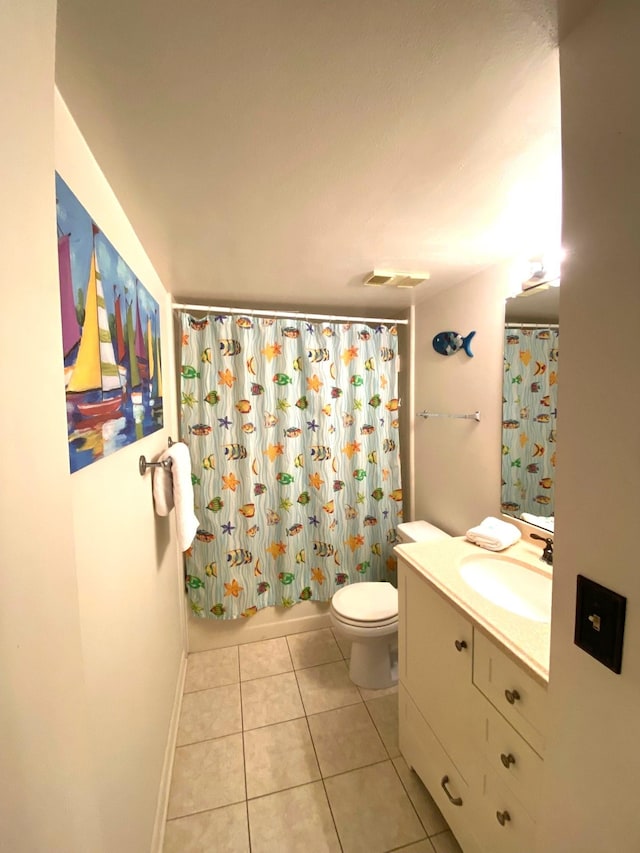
(473, 417)
(143, 464)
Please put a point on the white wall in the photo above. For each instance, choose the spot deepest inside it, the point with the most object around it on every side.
(457, 462)
(128, 569)
(48, 777)
(592, 763)
(90, 610)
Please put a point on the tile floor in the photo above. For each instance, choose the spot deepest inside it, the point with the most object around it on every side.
(278, 752)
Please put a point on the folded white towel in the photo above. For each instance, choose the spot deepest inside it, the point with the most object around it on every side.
(172, 487)
(493, 534)
(539, 520)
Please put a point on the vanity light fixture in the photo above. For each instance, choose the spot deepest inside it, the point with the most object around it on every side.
(544, 269)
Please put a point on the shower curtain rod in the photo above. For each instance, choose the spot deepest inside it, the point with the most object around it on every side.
(293, 315)
(517, 325)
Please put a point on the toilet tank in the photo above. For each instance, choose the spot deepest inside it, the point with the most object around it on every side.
(420, 531)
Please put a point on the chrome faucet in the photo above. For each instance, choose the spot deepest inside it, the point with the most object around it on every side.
(547, 553)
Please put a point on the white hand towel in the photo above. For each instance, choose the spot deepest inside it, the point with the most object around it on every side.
(539, 520)
(163, 489)
(493, 534)
(172, 487)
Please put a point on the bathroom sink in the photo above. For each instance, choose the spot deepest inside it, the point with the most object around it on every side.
(509, 583)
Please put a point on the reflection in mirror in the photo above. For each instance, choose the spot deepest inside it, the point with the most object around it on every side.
(529, 405)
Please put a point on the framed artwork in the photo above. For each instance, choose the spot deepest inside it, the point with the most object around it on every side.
(111, 340)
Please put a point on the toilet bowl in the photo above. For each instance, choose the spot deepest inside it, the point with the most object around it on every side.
(366, 614)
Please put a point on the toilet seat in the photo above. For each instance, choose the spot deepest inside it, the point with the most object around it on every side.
(369, 624)
(369, 603)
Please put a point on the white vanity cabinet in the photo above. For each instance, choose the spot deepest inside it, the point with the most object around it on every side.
(471, 721)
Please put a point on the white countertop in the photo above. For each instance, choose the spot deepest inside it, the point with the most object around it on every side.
(521, 638)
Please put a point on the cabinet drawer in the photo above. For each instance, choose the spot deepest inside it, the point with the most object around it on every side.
(504, 826)
(423, 752)
(515, 764)
(517, 696)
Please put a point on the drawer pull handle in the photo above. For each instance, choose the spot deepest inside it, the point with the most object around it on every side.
(507, 760)
(512, 696)
(456, 801)
(461, 644)
(503, 817)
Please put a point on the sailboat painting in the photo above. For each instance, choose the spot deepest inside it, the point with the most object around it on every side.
(111, 340)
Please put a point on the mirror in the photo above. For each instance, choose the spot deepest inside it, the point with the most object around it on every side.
(529, 405)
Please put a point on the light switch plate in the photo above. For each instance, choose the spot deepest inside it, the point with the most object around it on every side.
(600, 615)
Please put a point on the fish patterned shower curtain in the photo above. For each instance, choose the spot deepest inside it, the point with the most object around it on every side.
(293, 431)
(529, 413)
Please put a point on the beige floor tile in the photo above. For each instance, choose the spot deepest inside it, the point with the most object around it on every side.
(385, 715)
(446, 843)
(326, 687)
(266, 701)
(268, 657)
(209, 714)
(207, 775)
(279, 757)
(372, 811)
(343, 644)
(224, 830)
(428, 811)
(423, 846)
(345, 739)
(293, 821)
(212, 669)
(313, 648)
(367, 693)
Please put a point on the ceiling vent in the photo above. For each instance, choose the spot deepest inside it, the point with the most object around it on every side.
(393, 278)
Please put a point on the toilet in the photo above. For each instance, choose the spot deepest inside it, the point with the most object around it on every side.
(366, 613)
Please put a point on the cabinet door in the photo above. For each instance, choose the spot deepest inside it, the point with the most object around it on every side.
(435, 656)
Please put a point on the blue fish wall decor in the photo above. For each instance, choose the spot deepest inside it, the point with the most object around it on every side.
(447, 343)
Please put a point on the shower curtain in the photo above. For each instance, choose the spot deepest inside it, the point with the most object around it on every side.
(292, 429)
(529, 413)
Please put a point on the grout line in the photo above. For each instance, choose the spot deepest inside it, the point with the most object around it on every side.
(324, 787)
(377, 730)
(355, 769)
(204, 811)
(279, 723)
(214, 687)
(246, 805)
(407, 846)
(244, 763)
(413, 805)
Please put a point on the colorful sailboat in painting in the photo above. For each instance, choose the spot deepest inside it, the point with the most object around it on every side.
(140, 348)
(121, 350)
(94, 386)
(70, 325)
(155, 370)
(131, 360)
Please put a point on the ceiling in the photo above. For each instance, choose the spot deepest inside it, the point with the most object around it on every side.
(274, 152)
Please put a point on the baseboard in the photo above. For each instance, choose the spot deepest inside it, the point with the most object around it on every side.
(267, 624)
(157, 840)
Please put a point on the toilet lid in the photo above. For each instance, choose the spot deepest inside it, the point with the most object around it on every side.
(370, 601)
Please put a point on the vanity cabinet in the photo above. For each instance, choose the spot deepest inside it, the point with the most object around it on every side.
(472, 721)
